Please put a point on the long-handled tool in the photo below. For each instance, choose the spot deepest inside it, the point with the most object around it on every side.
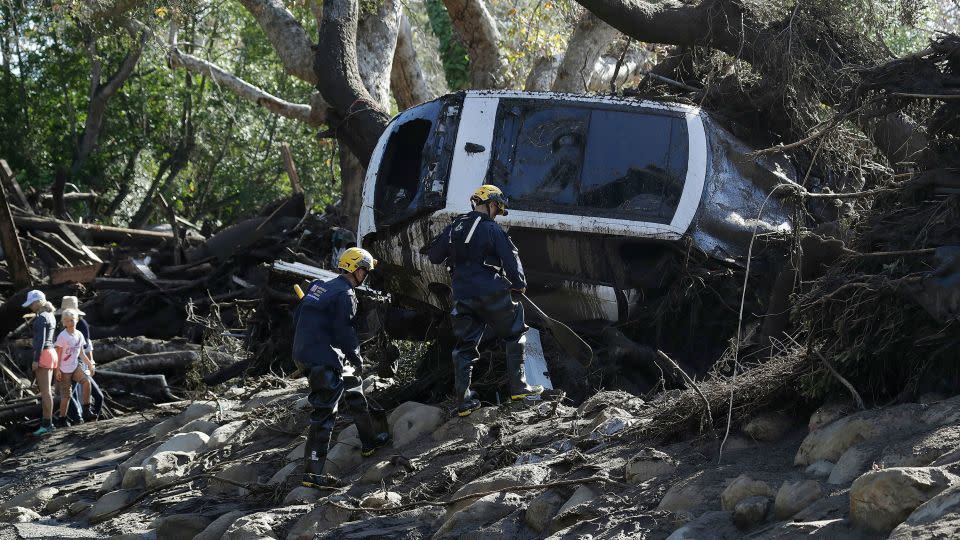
(573, 344)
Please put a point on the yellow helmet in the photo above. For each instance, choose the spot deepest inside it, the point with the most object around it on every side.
(354, 258)
(487, 193)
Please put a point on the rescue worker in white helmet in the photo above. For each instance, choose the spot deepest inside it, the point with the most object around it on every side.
(485, 268)
(326, 347)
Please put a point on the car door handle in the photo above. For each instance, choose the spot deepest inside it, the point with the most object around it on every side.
(474, 148)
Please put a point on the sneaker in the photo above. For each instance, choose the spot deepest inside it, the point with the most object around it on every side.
(61, 421)
(531, 392)
(43, 430)
(88, 414)
(379, 442)
(467, 407)
(319, 481)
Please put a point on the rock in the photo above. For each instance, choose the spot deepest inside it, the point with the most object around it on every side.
(750, 511)
(136, 460)
(793, 497)
(297, 453)
(820, 468)
(507, 477)
(201, 425)
(219, 526)
(35, 499)
(164, 467)
(301, 495)
(345, 455)
(224, 434)
(736, 443)
(60, 502)
(611, 421)
(582, 495)
(162, 429)
(110, 483)
(829, 413)
(881, 500)
(741, 488)
(924, 451)
(177, 526)
(80, 507)
(244, 473)
(379, 472)
(937, 518)
(831, 441)
(943, 412)
(191, 442)
(412, 421)
(252, 527)
(768, 427)
(381, 499)
(321, 518)
(134, 479)
(541, 510)
(196, 411)
(686, 494)
(712, 525)
(647, 464)
(112, 501)
(466, 429)
(478, 513)
(854, 462)
(281, 476)
(604, 399)
(18, 514)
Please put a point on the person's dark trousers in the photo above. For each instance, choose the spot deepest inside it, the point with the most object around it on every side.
(327, 387)
(506, 319)
(75, 407)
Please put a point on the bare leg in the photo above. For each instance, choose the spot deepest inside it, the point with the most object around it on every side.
(44, 377)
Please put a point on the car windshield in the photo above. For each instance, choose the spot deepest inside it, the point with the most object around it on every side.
(572, 158)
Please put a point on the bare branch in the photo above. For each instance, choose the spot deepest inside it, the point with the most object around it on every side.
(477, 29)
(406, 76)
(287, 36)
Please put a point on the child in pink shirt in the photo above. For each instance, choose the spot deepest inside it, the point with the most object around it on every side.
(70, 349)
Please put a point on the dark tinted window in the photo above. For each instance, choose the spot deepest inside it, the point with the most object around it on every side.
(596, 161)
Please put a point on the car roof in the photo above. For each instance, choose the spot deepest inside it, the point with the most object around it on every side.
(586, 98)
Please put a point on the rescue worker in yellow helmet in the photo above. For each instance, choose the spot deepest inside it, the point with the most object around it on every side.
(326, 347)
(485, 268)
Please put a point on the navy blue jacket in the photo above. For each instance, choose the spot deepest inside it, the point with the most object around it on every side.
(323, 323)
(480, 255)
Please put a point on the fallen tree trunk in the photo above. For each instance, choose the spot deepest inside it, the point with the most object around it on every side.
(110, 349)
(103, 233)
(168, 363)
(152, 386)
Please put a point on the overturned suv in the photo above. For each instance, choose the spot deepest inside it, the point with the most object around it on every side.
(610, 198)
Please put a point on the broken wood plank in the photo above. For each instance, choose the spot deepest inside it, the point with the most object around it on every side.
(96, 232)
(291, 169)
(13, 188)
(76, 274)
(174, 228)
(10, 239)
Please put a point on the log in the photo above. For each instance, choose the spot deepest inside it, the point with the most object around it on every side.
(103, 233)
(13, 188)
(110, 349)
(226, 373)
(167, 363)
(91, 196)
(10, 239)
(129, 284)
(153, 386)
(18, 413)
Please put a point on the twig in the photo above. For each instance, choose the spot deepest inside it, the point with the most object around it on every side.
(926, 96)
(691, 384)
(834, 372)
(668, 80)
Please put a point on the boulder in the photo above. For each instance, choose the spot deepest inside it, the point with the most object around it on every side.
(542, 509)
(345, 455)
(177, 526)
(197, 410)
(60, 502)
(610, 421)
(297, 453)
(413, 421)
(820, 468)
(478, 513)
(80, 507)
(219, 526)
(224, 434)
(201, 425)
(35, 499)
(110, 483)
(381, 499)
(134, 479)
(687, 494)
(164, 467)
(751, 511)
(793, 497)
(301, 495)
(521, 475)
(380, 472)
(742, 487)
(244, 473)
(880, 500)
(768, 427)
(281, 476)
(712, 525)
(647, 464)
(164, 428)
(942, 413)
(937, 518)
(18, 514)
(251, 527)
(466, 429)
(582, 495)
(191, 442)
(111, 502)
(322, 518)
(923, 451)
(136, 460)
(829, 413)
(831, 441)
(854, 462)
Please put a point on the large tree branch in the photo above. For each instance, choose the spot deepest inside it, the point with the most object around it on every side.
(286, 35)
(406, 77)
(313, 115)
(590, 38)
(477, 30)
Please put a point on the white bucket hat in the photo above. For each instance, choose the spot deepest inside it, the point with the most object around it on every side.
(70, 302)
(34, 296)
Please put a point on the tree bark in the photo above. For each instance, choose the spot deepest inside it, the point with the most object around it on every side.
(406, 77)
(590, 38)
(477, 30)
(287, 36)
(542, 74)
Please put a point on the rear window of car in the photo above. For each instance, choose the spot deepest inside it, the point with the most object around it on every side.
(590, 159)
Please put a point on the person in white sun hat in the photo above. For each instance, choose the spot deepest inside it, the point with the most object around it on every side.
(70, 347)
(45, 359)
(76, 410)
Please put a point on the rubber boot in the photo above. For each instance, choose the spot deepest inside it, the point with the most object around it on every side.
(315, 456)
(371, 439)
(519, 389)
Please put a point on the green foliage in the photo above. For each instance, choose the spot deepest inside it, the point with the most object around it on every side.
(456, 63)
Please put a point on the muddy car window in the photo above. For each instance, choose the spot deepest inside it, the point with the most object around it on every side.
(608, 163)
